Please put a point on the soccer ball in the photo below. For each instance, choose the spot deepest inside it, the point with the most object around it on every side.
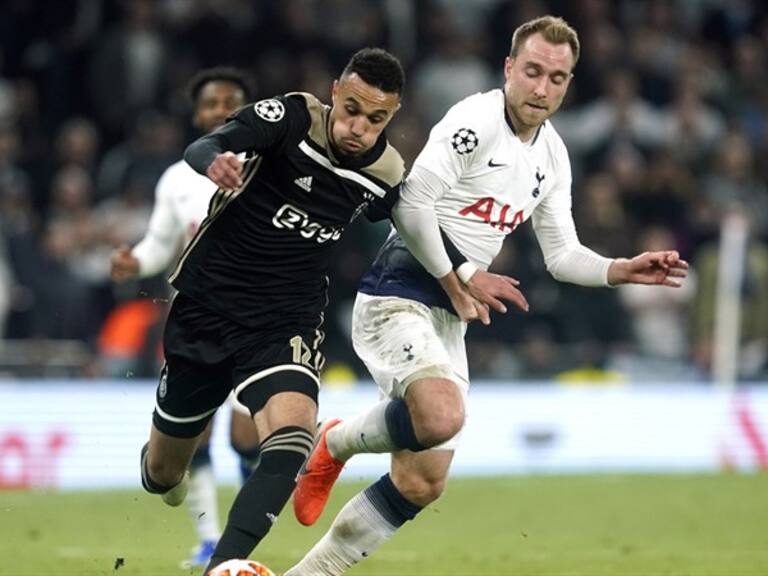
(241, 568)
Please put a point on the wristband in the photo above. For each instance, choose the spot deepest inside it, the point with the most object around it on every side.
(465, 271)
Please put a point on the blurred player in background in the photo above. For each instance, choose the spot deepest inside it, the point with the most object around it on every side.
(182, 199)
(490, 164)
(253, 285)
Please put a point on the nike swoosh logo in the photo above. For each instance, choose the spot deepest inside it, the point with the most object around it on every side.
(493, 164)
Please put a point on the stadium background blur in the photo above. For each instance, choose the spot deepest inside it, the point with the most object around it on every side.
(666, 123)
(667, 127)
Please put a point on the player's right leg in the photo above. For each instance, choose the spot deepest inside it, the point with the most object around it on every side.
(189, 392)
(276, 377)
(373, 516)
(416, 355)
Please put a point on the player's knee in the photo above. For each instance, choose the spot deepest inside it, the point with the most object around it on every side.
(440, 424)
(437, 410)
(421, 490)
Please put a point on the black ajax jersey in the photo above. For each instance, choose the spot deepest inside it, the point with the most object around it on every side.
(262, 254)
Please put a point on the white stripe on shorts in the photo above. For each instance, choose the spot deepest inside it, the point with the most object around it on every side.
(185, 419)
(269, 371)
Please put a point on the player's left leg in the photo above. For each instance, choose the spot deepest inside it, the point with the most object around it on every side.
(284, 403)
(164, 463)
(244, 440)
(373, 516)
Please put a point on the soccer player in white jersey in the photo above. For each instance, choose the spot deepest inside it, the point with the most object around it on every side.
(181, 203)
(490, 164)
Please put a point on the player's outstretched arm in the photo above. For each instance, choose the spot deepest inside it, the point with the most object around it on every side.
(664, 268)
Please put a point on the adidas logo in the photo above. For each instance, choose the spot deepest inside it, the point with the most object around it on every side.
(305, 183)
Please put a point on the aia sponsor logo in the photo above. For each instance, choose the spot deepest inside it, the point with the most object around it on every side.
(499, 216)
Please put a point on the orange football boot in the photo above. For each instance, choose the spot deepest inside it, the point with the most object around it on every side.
(316, 478)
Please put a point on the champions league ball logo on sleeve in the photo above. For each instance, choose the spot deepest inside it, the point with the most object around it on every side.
(270, 110)
(464, 141)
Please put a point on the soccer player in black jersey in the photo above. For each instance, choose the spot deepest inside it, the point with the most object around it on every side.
(252, 283)
(181, 203)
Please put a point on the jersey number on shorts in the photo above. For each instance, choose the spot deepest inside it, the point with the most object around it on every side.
(303, 354)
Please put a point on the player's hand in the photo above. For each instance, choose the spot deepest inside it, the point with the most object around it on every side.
(467, 307)
(492, 289)
(124, 265)
(226, 171)
(470, 308)
(662, 268)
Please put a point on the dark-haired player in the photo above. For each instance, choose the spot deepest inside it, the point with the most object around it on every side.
(252, 284)
(181, 203)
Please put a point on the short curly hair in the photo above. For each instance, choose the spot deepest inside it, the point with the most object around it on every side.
(379, 68)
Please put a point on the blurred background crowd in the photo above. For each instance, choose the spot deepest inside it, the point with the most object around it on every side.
(666, 123)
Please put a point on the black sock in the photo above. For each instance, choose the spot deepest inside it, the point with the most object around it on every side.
(147, 483)
(264, 495)
(400, 426)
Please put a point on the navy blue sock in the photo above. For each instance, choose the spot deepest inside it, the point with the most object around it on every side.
(400, 426)
(390, 503)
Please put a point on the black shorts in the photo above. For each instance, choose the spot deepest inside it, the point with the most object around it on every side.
(207, 356)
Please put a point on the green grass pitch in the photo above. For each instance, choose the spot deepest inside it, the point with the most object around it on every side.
(590, 525)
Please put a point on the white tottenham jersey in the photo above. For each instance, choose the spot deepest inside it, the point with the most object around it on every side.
(181, 204)
(493, 182)
(477, 182)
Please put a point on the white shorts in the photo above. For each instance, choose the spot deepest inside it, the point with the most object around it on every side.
(402, 340)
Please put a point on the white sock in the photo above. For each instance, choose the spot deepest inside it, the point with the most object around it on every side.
(358, 530)
(202, 504)
(366, 433)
